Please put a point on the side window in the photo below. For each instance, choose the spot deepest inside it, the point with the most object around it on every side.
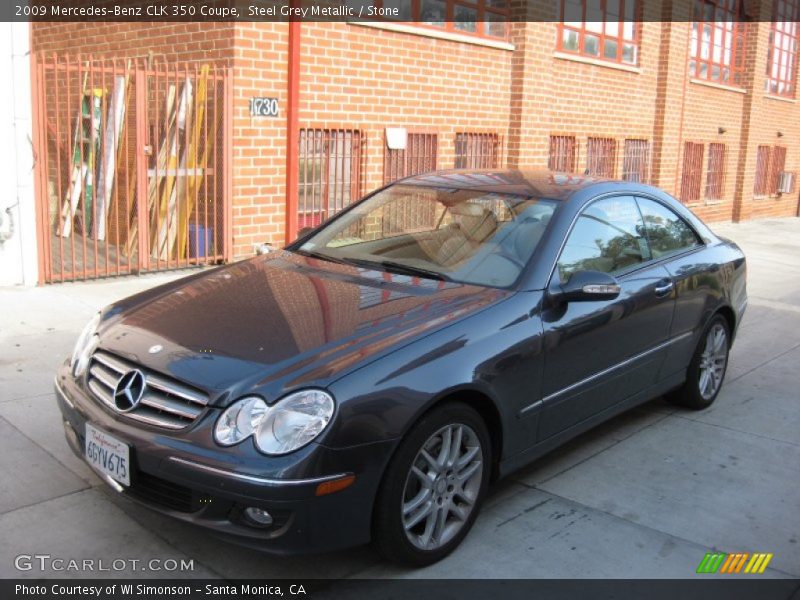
(666, 231)
(609, 236)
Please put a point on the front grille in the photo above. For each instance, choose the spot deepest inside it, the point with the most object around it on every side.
(165, 402)
(154, 490)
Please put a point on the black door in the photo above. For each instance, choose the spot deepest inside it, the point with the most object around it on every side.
(598, 353)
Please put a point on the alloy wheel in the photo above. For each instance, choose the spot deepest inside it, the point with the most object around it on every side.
(713, 361)
(442, 486)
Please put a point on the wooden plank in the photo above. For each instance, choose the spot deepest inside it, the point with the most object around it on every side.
(111, 144)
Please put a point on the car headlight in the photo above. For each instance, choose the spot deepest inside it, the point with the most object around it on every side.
(239, 421)
(284, 427)
(86, 344)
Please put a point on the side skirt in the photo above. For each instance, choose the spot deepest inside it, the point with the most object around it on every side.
(524, 458)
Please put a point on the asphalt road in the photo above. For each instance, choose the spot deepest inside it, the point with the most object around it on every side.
(646, 495)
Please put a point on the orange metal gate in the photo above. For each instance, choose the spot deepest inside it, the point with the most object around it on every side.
(133, 166)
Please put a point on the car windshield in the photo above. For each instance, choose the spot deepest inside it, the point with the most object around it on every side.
(460, 235)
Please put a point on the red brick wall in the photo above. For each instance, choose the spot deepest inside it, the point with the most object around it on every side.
(369, 79)
(364, 78)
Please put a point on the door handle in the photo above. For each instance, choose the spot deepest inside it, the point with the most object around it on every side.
(664, 287)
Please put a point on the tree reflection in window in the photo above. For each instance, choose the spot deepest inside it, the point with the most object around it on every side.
(666, 231)
(609, 236)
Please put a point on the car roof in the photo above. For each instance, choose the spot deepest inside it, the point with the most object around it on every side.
(542, 183)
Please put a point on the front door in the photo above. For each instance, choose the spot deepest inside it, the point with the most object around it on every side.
(598, 353)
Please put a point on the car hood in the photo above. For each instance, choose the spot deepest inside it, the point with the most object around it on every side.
(283, 321)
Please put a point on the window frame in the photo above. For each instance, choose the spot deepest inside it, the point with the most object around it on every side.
(791, 8)
(697, 181)
(608, 156)
(403, 156)
(715, 190)
(449, 23)
(477, 139)
(328, 203)
(568, 143)
(579, 27)
(637, 158)
(737, 33)
(635, 195)
(767, 176)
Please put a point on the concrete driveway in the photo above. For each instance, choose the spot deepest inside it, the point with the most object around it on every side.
(646, 495)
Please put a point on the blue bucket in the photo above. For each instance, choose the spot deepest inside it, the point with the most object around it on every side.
(199, 240)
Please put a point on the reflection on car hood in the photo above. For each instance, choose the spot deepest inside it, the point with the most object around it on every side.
(284, 320)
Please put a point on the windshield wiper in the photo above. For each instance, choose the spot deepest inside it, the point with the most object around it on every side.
(321, 256)
(405, 269)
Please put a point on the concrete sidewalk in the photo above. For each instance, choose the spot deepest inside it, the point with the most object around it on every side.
(646, 495)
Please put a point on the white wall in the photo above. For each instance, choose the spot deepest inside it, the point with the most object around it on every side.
(18, 258)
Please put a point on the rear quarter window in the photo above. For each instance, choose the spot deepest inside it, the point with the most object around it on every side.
(667, 232)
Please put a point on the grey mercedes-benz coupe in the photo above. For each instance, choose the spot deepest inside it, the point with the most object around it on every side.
(369, 381)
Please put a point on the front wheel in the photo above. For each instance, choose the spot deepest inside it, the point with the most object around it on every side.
(433, 487)
(707, 369)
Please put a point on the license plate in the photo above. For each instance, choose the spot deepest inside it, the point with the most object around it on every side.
(108, 455)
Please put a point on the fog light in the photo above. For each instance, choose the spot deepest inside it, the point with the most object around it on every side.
(258, 516)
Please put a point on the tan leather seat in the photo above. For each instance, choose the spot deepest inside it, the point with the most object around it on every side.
(475, 225)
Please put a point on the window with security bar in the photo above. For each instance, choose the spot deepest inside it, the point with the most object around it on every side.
(770, 164)
(603, 29)
(692, 172)
(715, 174)
(760, 185)
(777, 164)
(717, 47)
(636, 161)
(419, 156)
(782, 49)
(477, 151)
(601, 156)
(330, 173)
(563, 149)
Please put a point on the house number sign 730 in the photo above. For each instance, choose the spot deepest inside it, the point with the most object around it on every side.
(263, 107)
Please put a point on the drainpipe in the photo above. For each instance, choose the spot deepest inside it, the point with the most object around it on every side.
(293, 129)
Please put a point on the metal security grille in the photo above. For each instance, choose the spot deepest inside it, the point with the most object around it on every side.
(760, 186)
(330, 173)
(692, 171)
(601, 156)
(132, 165)
(777, 164)
(636, 161)
(715, 176)
(418, 157)
(477, 151)
(561, 157)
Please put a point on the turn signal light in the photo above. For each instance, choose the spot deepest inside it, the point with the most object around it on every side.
(336, 485)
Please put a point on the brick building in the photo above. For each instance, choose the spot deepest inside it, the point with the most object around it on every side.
(704, 109)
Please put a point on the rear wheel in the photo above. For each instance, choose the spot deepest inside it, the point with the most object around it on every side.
(433, 487)
(707, 369)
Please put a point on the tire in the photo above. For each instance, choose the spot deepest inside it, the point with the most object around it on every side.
(407, 527)
(706, 372)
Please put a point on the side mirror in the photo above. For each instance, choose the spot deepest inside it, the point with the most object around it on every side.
(586, 286)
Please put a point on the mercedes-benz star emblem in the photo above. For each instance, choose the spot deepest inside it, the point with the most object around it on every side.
(129, 391)
(155, 349)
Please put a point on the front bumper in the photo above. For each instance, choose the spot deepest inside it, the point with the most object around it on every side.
(185, 475)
